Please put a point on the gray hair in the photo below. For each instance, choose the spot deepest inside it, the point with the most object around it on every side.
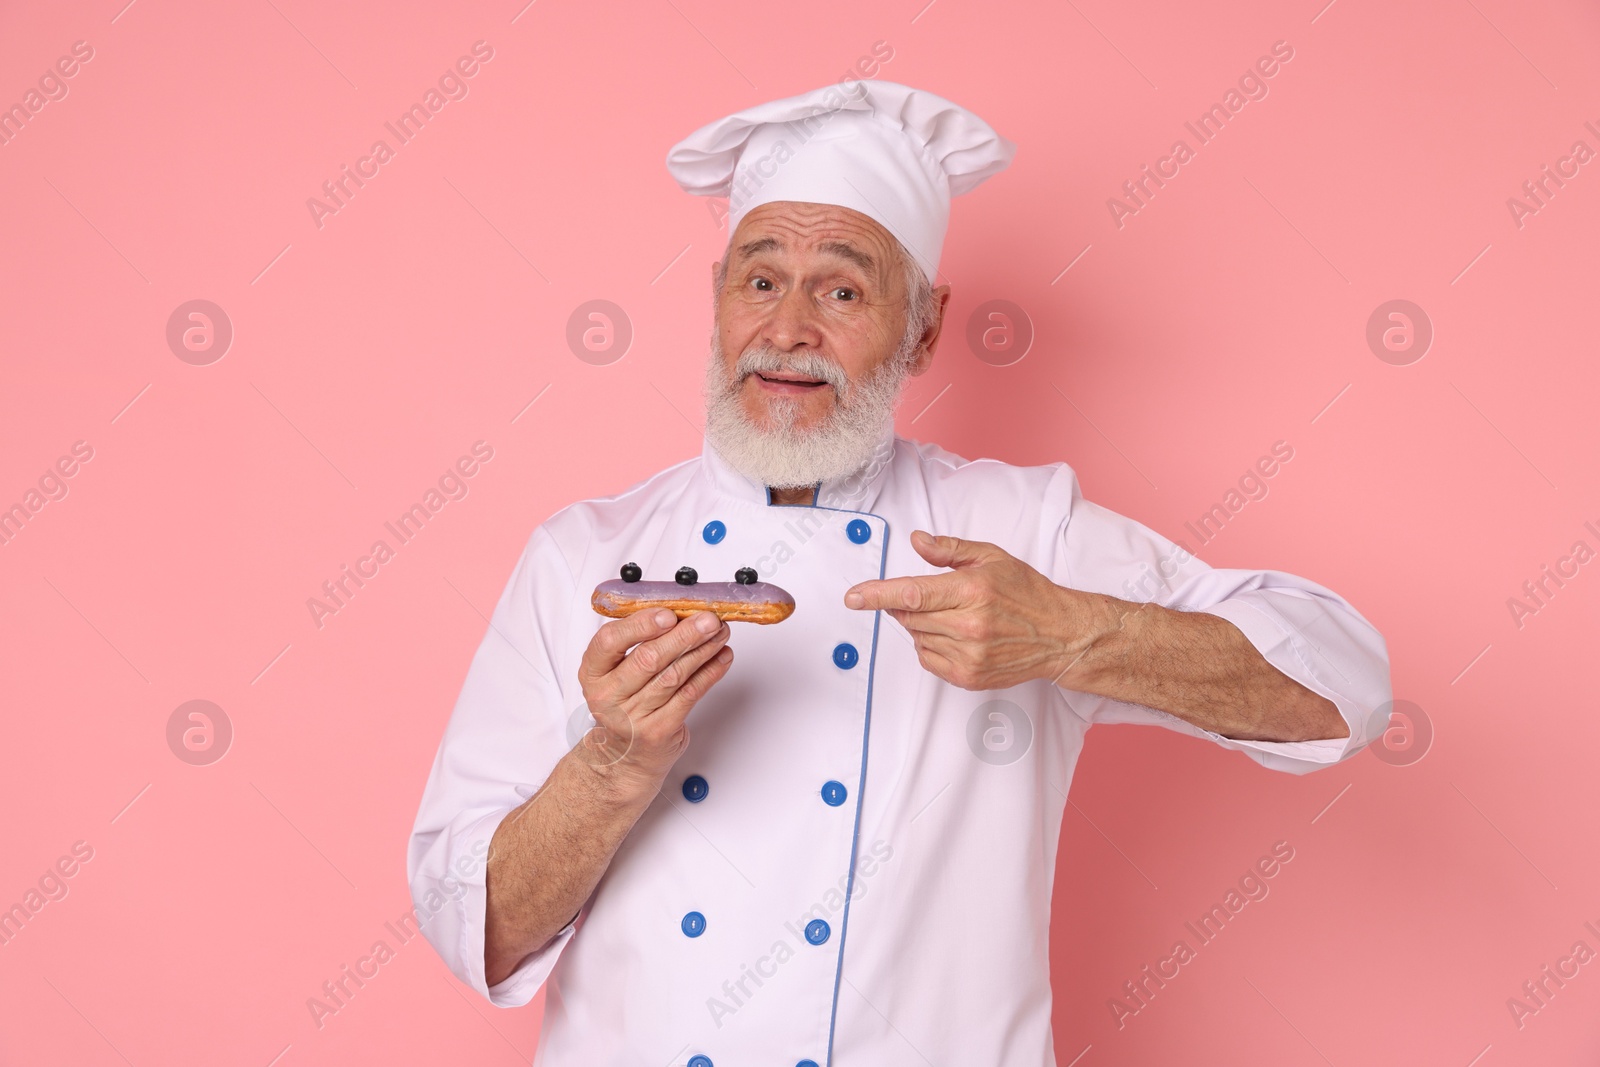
(921, 307)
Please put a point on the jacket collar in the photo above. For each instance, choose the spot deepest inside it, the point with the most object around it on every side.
(853, 492)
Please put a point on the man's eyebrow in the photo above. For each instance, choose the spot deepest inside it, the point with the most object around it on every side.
(760, 244)
(845, 250)
(842, 249)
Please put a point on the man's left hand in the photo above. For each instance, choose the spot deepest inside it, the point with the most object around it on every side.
(991, 621)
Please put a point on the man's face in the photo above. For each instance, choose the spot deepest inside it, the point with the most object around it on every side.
(821, 290)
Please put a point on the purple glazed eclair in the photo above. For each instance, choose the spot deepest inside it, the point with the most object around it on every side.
(759, 602)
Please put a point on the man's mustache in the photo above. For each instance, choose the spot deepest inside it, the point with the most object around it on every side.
(767, 360)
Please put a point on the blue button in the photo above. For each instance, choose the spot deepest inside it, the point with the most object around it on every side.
(817, 931)
(695, 788)
(806, 1063)
(858, 531)
(701, 1061)
(714, 532)
(834, 793)
(845, 655)
(694, 924)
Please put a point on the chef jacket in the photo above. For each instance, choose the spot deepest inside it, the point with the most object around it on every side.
(851, 863)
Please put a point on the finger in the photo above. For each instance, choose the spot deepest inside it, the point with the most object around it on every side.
(932, 592)
(934, 662)
(952, 649)
(659, 689)
(953, 551)
(956, 623)
(951, 661)
(651, 657)
(611, 641)
(675, 710)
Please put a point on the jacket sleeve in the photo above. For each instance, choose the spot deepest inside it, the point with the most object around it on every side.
(1305, 630)
(508, 730)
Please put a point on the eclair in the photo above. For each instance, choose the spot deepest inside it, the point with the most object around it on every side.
(743, 600)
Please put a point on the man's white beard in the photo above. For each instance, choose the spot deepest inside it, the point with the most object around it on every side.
(787, 456)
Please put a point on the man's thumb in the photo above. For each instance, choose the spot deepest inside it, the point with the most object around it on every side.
(950, 551)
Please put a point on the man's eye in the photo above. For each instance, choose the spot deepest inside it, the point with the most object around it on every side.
(760, 282)
(845, 289)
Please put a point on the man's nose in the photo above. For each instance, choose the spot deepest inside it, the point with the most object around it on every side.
(792, 322)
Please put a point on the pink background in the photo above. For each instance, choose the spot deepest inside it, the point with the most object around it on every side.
(1227, 314)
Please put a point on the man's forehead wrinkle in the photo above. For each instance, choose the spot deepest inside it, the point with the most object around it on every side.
(822, 223)
(831, 241)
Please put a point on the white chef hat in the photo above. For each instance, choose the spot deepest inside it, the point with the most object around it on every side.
(893, 153)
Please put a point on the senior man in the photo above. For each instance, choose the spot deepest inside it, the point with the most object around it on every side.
(851, 861)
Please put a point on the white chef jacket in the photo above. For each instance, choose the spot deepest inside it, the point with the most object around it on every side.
(851, 864)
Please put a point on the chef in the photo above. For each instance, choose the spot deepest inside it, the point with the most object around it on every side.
(831, 840)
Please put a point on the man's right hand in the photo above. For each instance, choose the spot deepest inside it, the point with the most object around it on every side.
(640, 698)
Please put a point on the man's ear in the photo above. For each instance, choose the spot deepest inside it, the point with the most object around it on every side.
(930, 337)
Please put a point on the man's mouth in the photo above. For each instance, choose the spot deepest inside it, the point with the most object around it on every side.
(786, 381)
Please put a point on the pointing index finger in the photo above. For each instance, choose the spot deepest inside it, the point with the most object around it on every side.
(934, 592)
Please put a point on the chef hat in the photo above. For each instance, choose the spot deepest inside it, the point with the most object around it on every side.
(893, 153)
